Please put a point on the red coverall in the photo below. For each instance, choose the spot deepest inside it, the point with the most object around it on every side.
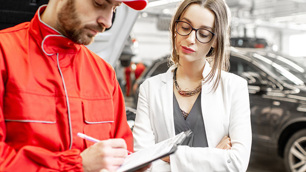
(36, 131)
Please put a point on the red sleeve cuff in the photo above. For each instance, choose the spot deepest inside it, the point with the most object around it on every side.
(71, 160)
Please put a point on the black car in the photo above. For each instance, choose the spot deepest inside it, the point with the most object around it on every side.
(18, 11)
(277, 100)
(158, 66)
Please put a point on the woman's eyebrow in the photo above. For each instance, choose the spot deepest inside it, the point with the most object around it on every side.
(203, 26)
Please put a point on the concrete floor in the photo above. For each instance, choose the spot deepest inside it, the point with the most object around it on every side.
(260, 163)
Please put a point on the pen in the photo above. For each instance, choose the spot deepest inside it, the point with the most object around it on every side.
(84, 136)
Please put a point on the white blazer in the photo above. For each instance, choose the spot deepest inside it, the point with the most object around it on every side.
(225, 112)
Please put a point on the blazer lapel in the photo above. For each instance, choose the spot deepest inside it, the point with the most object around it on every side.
(167, 102)
(209, 103)
(209, 108)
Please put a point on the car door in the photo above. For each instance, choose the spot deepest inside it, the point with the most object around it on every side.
(260, 87)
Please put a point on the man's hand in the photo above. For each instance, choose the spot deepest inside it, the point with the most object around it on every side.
(108, 155)
(225, 143)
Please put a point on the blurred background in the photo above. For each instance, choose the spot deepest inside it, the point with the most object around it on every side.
(267, 49)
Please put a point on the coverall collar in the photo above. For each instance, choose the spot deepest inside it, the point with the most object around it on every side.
(50, 40)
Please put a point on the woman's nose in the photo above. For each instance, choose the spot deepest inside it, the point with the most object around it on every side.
(192, 36)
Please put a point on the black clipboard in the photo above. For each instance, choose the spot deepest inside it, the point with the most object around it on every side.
(162, 149)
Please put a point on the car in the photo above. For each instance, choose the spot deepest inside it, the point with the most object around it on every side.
(158, 66)
(18, 11)
(130, 115)
(277, 101)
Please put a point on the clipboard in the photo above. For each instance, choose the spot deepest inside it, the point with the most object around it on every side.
(144, 157)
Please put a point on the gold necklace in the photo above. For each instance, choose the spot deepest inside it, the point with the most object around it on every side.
(183, 92)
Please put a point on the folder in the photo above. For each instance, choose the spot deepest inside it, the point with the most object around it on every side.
(145, 156)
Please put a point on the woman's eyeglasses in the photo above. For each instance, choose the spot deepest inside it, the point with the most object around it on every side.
(202, 35)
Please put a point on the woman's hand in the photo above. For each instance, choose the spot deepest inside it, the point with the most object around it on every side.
(166, 159)
(225, 143)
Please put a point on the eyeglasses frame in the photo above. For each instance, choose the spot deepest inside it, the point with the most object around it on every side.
(193, 29)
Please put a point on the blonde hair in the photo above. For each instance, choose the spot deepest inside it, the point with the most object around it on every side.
(219, 56)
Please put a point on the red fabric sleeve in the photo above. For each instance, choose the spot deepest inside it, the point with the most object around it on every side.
(120, 128)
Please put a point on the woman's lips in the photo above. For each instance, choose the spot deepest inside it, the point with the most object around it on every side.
(187, 50)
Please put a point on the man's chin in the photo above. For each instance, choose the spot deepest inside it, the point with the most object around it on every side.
(85, 41)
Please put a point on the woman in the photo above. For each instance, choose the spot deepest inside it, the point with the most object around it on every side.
(211, 102)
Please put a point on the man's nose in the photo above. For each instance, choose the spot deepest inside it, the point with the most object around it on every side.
(105, 19)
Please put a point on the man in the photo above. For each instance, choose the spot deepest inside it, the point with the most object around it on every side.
(53, 87)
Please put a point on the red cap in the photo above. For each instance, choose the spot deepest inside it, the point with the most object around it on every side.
(135, 4)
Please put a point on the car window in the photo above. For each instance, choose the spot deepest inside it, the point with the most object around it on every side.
(158, 67)
(284, 68)
(161, 68)
(248, 71)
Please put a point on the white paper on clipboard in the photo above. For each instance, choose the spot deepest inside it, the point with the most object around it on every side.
(144, 157)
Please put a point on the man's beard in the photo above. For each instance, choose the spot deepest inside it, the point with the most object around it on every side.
(69, 24)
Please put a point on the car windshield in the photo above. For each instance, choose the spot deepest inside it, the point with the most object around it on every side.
(284, 68)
